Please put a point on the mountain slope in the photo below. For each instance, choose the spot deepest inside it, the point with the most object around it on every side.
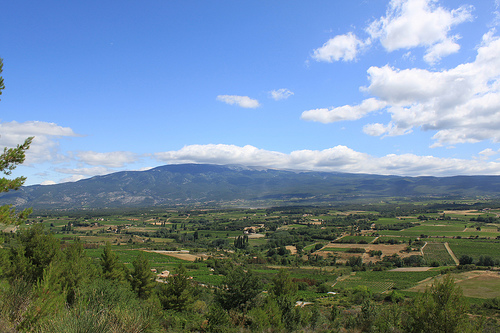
(202, 184)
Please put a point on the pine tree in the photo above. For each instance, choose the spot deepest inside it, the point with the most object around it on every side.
(176, 294)
(112, 268)
(141, 278)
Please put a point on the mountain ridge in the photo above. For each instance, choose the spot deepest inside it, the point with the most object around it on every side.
(220, 185)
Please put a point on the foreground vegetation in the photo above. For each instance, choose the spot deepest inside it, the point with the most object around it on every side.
(416, 268)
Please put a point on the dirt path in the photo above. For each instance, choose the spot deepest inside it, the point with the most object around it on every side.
(447, 246)
(183, 255)
(422, 249)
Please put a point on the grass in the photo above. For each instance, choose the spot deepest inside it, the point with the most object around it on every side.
(475, 248)
(486, 288)
(436, 252)
(334, 249)
(385, 280)
(373, 286)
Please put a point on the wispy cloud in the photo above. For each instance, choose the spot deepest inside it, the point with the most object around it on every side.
(346, 112)
(116, 159)
(280, 94)
(242, 101)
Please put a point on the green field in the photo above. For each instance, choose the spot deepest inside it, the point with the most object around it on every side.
(437, 253)
(475, 248)
(385, 280)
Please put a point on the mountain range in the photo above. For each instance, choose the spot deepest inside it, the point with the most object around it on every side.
(229, 185)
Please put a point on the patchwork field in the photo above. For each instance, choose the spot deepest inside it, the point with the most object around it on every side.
(477, 284)
(437, 253)
(340, 250)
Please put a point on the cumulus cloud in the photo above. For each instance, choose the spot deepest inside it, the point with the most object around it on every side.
(45, 146)
(407, 24)
(337, 159)
(116, 159)
(346, 112)
(462, 104)
(440, 50)
(341, 47)
(280, 94)
(242, 101)
(221, 154)
(414, 23)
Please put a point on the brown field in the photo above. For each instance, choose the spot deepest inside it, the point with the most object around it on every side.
(387, 250)
(463, 212)
(181, 255)
(292, 249)
(250, 236)
(410, 269)
(479, 284)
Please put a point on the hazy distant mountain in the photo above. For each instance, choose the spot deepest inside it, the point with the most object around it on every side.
(204, 184)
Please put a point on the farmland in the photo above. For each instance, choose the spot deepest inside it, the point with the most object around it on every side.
(298, 237)
(331, 256)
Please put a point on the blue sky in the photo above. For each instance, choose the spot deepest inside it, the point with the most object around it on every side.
(387, 87)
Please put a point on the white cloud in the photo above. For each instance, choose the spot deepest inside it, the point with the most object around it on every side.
(346, 112)
(45, 146)
(341, 47)
(336, 159)
(415, 23)
(242, 101)
(487, 153)
(73, 178)
(280, 94)
(48, 182)
(94, 171)
(462, 104)
(378, 129)
(82, 173)
(116, 159)
(222, 154)
(440, 50)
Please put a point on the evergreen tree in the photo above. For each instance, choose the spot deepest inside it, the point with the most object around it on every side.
(177, 293)
(442, 308)
(76, 270)
(112, 268)
(239, 290)
(32, 251)
(284, 292)
(141, 278)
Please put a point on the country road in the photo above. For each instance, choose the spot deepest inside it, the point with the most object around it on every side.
(451, 253)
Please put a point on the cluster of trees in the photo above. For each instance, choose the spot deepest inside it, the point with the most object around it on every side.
(482, 261)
